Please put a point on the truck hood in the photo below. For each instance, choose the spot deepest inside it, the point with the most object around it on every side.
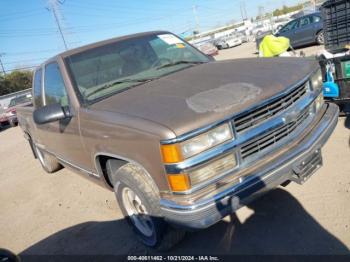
(206, 93)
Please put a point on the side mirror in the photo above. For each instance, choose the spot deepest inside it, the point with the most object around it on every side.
(50, 113)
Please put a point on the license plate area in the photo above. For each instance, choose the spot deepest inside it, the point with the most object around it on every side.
(304, 170)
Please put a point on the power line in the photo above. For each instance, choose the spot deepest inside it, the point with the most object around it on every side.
(9, 18)
(33, 52)
(21, 68)
(26, 61)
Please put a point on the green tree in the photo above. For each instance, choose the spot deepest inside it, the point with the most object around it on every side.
(15, 81)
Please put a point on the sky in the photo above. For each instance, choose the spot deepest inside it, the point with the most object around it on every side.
(29, 34)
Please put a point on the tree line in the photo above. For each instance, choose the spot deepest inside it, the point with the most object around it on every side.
(287, 9)
(15, 81)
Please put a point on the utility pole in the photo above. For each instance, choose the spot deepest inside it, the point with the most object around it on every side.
(194, 9)
(2, 66)
(55, 10)
(243, 10)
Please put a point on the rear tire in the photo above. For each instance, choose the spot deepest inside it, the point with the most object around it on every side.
(48, 162)
(138, 198)
(13, 124)
(320, 38)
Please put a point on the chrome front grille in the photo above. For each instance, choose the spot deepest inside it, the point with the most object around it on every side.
(265, 112)
(269, 139)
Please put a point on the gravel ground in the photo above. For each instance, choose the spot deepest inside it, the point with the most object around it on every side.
(66, 214)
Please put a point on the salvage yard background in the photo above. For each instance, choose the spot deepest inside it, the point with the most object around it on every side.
(65, 214)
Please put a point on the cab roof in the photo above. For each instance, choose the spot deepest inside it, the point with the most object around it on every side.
(100, 43)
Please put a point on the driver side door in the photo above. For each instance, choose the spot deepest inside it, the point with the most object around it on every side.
(303, 34)
(62, 138)
(288, 31)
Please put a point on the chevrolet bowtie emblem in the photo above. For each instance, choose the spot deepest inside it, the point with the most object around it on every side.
(290, 117)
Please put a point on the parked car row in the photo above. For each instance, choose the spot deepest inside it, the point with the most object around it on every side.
(208, 48)
(301, 31)
(211, 46)
(228, 41)
(9, 115)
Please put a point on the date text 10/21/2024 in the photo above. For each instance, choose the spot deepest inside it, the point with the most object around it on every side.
(173, 258)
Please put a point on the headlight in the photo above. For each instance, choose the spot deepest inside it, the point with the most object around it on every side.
(319, 101)
(178, 152)
(205, 141)
(174, 153)
(11, 113)
(317, 81)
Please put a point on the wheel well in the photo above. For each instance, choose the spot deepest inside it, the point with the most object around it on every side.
(31, 143)
(101, 163)
(318, 32)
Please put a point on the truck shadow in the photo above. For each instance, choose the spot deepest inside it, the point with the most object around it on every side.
(279, 225)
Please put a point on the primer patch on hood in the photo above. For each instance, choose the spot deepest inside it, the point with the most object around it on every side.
(223, 98)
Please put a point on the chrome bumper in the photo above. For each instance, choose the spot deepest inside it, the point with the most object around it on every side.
(297, 165)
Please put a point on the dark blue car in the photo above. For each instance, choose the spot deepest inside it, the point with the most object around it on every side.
(304, 30)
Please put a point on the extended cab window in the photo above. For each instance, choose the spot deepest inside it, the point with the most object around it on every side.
(55, 90)
(105, 70)
(38, 101)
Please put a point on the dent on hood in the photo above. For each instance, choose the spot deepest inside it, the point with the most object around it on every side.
(223, 98)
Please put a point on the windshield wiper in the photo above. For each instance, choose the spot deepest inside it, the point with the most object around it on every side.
(180, 62)
(139, 81)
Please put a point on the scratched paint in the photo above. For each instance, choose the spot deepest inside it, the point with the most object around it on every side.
(223, 98)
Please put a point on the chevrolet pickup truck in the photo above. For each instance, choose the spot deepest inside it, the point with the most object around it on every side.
(181, 139)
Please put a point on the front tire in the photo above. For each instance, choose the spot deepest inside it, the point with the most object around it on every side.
(138, 198)
(48, 162)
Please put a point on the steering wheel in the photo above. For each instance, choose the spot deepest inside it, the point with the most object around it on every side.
(161, 61)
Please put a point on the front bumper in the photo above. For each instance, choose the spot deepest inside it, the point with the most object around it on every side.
(297, 165)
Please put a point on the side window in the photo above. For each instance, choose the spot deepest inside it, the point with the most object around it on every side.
(290, 26)
(55, 91)
(316, 19)
(305, 21)
(38, 101)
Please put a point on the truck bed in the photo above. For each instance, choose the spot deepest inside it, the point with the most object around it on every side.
(25, 118)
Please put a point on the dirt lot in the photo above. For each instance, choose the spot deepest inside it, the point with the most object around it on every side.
(65, 214)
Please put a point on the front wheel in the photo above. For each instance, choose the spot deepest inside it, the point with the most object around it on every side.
(48, 162)
(320, 38)
(13, 123)
(138, 198)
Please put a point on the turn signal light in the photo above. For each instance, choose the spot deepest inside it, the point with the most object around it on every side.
(179, 182)
(171, 153)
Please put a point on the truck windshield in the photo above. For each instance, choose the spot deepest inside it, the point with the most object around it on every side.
(106, 70)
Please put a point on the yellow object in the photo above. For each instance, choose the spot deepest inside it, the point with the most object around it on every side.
(180, 45)
(179, 182)
(272, 46)
(171, 153)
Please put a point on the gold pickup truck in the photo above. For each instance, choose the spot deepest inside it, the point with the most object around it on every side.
(181, 139)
